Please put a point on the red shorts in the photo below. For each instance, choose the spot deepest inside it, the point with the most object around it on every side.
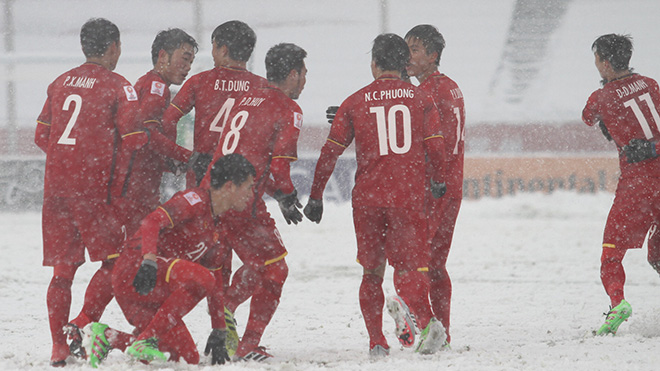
(252, 235)
(140, 309)
(69, 225)
(398, 235)
(635, 209)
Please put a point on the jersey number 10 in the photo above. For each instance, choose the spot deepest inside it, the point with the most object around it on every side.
(387, 129)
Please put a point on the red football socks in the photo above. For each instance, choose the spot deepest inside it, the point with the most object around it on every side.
(372, 301)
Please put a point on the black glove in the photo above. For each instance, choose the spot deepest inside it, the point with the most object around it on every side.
(330, 113)
(176, 167)
(606, 132)
(289, 206)
(199, 163)
(639, 150)
(145, 279)
(216, 346)
(438, 189)
(314, 210)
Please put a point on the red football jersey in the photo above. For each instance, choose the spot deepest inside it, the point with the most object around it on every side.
(449, 100)
(629, 109)
(142, 184)
(264, 125)
(189, 234)
(87, 110)
(393, 124)
(212, 93)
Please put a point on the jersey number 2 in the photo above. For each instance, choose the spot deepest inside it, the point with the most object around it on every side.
(66, 138)
(387, 129)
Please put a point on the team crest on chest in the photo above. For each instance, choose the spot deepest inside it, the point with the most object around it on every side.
(131, 95)
(157, 88)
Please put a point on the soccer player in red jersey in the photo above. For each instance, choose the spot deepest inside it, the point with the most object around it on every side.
(170, 265)
(172, 53)
(426, 46)
(396, 127)
(264, 127)
(136, 189)
(213, 93)
(626, 108)
(87, 110)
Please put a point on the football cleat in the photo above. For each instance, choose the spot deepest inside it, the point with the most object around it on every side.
(405, 325)
(75, 336)
(432, 338)
(379, 351)
(231, 341)
(257, 354)
(146, 350)
(95, 343)
(614, 318)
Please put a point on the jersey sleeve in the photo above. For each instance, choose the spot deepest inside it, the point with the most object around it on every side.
(42, 132)
(286, 143)
(182, 103)
(434, 143)
(340, 137)
(591, 112)
(128, 107)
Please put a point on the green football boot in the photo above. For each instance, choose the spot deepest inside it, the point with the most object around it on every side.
(432, 338)
(231, 341)
(96, 343)
(615, 317)
(146, 350)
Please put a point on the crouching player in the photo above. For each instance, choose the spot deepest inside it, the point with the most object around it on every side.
(170, 265)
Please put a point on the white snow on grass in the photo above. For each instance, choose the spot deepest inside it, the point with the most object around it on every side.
(527, 295)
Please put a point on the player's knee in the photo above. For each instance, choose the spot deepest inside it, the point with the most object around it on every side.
(64, 272)
(611, 255)
(277, 272)
(378, 271)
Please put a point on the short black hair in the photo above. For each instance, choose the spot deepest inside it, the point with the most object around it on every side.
(171, 40)
(390, 52)
(281, 59)
(430, 37)
(231, 168)
(96, 35)
(239, 38)
(616, 49)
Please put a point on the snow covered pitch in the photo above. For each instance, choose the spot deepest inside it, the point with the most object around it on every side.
(527, 296)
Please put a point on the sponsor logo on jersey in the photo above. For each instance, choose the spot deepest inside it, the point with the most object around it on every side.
(192, 198)
(131, 95)
(297, 120)
(157, 88)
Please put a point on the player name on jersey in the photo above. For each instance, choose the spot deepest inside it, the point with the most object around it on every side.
(231, 85)
(633, 87)
(251, 101)
(79, 82)
(388, 94)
